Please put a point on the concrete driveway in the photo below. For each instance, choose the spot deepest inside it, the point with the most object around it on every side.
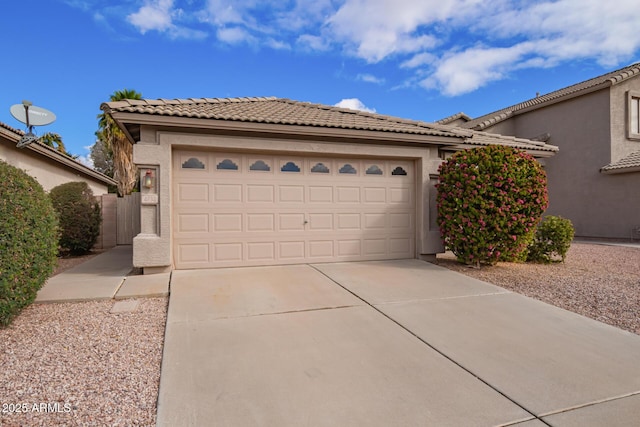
(385, 343)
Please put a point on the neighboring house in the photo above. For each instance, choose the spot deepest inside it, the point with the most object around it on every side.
(52, 168)
(47, 165)
(263, 181)
(595, 178)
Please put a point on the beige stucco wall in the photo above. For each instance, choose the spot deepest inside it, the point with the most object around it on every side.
(621, 145)
(47, 172)
(599, 205)
(152, 247)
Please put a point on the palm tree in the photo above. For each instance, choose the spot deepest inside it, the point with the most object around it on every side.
(53, 140)
(124, 170)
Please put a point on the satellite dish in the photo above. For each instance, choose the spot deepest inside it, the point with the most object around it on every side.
(31, 116)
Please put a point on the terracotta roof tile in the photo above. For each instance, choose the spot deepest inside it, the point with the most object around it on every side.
(630, 163)
(453, 118)
(287, 112)
(604, 80)
(275, 111)
(11, 129)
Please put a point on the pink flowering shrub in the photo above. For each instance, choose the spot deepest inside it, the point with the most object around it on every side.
(489, 202)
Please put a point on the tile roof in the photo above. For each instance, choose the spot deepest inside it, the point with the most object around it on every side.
(630, 163)
(11, 129)
(271, 110)
(602, 81)
(453, 118)
(14, 136)
(275, 111)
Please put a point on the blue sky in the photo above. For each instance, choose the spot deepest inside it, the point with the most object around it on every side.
(417, 59)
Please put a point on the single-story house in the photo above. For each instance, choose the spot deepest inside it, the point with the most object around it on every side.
(595, 178)
(47, 165)
(263, 181)
(52, 168)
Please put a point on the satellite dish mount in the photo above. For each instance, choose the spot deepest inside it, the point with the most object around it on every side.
(31, 115)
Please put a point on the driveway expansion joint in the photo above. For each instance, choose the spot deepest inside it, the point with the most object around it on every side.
(455, 362)
(586, 405)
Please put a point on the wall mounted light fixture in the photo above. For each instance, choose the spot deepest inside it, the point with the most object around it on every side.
(148, 179)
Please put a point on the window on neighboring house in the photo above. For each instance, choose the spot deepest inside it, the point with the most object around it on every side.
(634, 115)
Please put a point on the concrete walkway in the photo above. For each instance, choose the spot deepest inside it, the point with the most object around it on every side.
(385, 343)
(103, 277)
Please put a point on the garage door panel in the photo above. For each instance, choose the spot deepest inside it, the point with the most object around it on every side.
(348, 221)
(261, 222)
(349, 247)
(400, 196)
(228, 252)
(375, 194)
(241, 209)
(375, 221)
(401, 220)
(227, 222)
(260, 193)
(321, 221)
(193, 223)
(375, 246)
(291, 194)
(347, 194)
(400, 245)
(321, 249)
(292, 250)
(193, 192)
(261, 251)
(320, 194)
(291, 221)
(227, 193)
(193, 253)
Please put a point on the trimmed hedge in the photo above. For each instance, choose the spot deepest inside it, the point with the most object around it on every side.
(80, 216)
(489, 202)
(28, 240)
(552, 240)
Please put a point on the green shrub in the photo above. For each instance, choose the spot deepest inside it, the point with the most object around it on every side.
(79, 214)
(28, 240)
(489, 200)
(552, 239)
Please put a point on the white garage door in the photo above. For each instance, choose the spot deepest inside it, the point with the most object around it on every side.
(233, 209)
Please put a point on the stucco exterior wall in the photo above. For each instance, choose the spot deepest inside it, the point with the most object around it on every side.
(47, 172)
(598, 205)
(152, 248)
(621, 145)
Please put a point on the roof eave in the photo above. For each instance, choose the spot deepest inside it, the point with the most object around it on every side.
(125, 118)
(535, 152)
(621, 170)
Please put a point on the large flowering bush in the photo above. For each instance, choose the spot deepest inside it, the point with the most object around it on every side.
(489, 202)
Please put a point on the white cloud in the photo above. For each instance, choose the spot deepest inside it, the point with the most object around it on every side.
(453, 46)
(308, 41)
(376, 29)
(234, 35)
(85, 160)
(154, 15)
(369, 78)
(354, 104)
(467, 71)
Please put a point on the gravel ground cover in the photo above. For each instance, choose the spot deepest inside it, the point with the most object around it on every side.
(78, 364)
(598, 281)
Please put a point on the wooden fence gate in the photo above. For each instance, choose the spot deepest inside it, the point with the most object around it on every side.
(128, 218)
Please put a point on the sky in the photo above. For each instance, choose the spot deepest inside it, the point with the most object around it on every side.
(415, 59)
